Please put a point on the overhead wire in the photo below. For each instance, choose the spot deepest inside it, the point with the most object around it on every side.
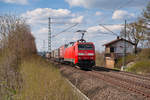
(130, 1)
(108, 29)
(65, 30)
(77, 23)
(112, 12)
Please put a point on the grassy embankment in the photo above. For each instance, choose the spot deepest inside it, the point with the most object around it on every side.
(42, 81)
(141, 62)
(24, 75)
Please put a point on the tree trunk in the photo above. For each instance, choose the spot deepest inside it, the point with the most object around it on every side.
(135, 49)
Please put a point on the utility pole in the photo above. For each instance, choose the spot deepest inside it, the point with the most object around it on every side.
(44, 46)
(49, 34)
(124, 52)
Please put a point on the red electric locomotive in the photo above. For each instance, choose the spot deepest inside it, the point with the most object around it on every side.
(80, 53)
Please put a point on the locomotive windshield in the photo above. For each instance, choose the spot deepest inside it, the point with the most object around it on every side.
(85, 47)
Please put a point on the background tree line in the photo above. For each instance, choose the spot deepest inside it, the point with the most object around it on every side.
(16, 43)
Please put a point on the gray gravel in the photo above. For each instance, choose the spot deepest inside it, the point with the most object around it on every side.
(97, 89)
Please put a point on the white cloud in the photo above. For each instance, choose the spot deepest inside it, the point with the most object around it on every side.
(121, 14)
(106, 4)
(77, 19)
(40, 15)
(114, 28)
(94, 29)
(43, 30)
(23, 2)
(38, 20)
(98, 13)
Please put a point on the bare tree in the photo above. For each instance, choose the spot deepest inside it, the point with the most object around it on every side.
(16, 43)
(146, 21)
(135, 32)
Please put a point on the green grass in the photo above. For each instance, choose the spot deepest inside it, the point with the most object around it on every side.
(140, 67)
(141, 60)
(42, 81)
(129, 58)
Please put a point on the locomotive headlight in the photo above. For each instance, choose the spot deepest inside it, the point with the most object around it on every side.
(81, 54)
(91, 57)
(91, 54)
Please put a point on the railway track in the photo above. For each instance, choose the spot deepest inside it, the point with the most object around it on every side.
(142, 77)
(135, 75)
(118, 79)
(132, 86)
(128, 84)
(133, 80)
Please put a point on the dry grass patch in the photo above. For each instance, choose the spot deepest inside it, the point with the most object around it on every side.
(100, 59)
(42, 81)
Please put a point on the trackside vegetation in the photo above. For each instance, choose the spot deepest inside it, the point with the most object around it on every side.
(141, 67)
(23, 74)
(43, 81)
(16, 43)
(140, 62)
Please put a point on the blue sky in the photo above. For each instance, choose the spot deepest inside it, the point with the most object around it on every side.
(87, 13)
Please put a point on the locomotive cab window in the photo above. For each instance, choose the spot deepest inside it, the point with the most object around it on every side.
(85, 47)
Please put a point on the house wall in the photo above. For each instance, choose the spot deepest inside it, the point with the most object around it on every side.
(118, 52)
(109, 62)
(119, 47)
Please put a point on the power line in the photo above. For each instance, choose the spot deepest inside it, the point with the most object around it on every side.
(113, 24)
(130, 1)
(65, 30)
(63, 23)
(120, 7)
(68, 17)
(112, 12)
(106, 33)
(108, 29)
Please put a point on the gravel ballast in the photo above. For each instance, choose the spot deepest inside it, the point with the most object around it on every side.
(95, 88)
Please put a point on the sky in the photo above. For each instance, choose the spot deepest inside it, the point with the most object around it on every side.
(89, 15)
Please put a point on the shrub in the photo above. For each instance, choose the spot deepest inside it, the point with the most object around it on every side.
(23, 77)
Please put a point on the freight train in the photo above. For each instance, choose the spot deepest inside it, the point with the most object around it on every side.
(79, 53)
